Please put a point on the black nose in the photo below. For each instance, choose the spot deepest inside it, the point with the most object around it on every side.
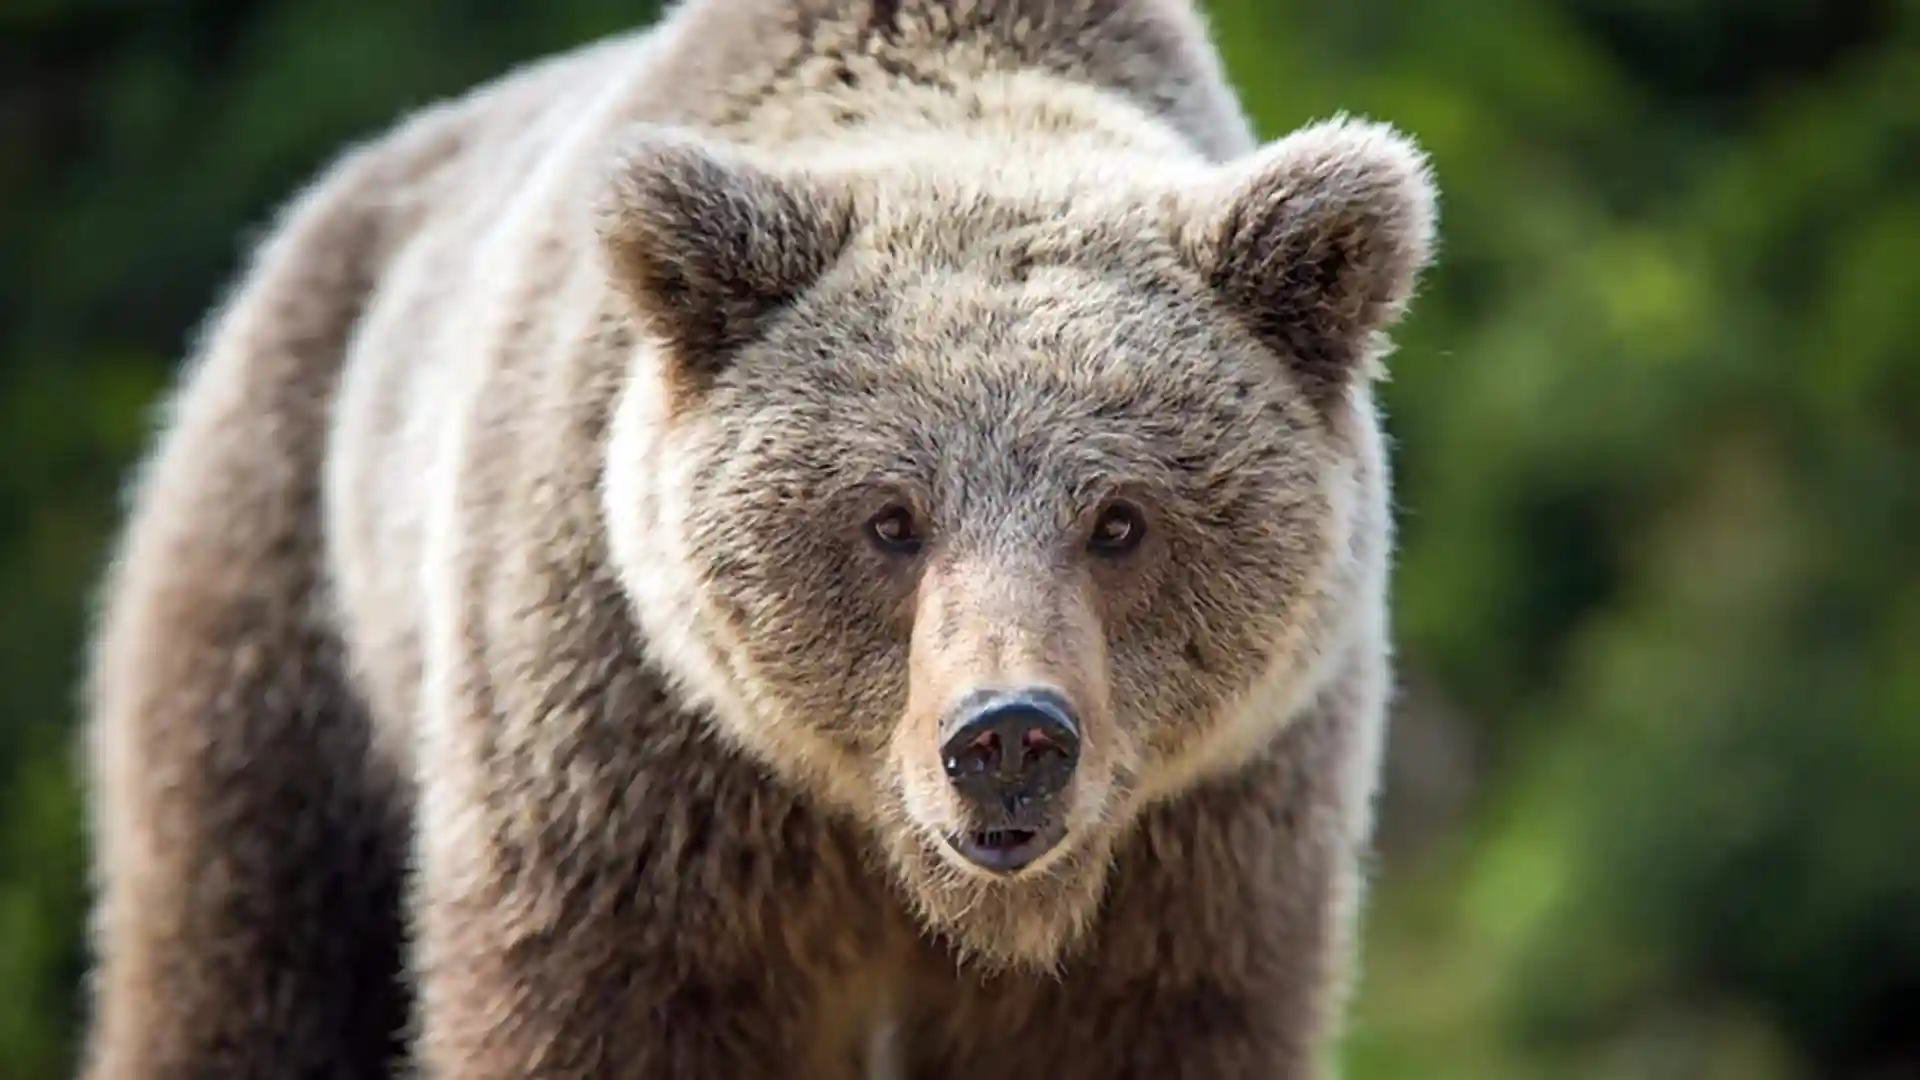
(1012, 751)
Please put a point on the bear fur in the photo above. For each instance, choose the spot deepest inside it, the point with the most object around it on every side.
(497, 679)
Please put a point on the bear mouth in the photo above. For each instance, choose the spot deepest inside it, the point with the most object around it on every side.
(1005, 851)
(1002, 839)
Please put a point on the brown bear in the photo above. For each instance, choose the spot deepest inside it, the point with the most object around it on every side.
(825, 538)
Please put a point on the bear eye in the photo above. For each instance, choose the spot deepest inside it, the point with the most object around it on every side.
(1118, 531)
(893, 530)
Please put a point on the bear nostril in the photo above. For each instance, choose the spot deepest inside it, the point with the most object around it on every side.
(981, 755)
(1037, 744)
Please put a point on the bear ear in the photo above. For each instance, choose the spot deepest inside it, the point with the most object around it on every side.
(1316, 242)
(708, 242)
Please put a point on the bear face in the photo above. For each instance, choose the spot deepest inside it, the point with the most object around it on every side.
(991, 501)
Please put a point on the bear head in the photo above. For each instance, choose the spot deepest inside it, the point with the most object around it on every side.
(994, 497)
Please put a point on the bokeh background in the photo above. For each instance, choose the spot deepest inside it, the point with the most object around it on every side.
(1654, 795)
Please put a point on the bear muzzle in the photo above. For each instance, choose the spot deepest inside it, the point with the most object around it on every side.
(1010, 756)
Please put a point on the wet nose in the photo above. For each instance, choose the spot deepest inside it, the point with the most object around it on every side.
(1012, 751)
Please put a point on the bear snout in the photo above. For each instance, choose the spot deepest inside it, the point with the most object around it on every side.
(1009, 756)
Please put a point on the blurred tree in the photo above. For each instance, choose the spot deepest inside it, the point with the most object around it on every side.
(1656, 454)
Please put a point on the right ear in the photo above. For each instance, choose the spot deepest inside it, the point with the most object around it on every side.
(708, 242)
(1316, 242)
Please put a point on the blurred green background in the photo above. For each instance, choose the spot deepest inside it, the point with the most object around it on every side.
(1654, 792)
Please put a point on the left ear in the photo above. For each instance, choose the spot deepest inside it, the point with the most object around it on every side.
(1316, 242)
(707, 240)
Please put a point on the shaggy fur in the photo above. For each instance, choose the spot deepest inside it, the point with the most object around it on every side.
(500, 587)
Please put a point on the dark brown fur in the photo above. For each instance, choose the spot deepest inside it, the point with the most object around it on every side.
(508, 530)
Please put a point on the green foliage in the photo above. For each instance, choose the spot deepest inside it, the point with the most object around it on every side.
(1655, 440)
